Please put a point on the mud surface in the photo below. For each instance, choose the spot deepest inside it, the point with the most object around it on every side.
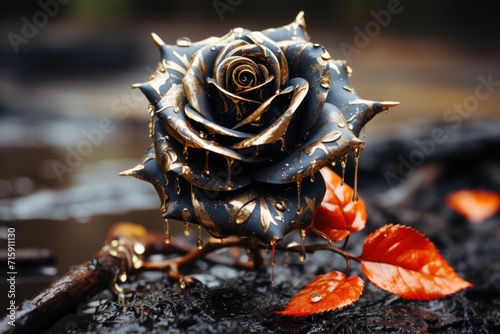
(226, 299)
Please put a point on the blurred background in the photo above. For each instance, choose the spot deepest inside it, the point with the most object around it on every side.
(65, 73)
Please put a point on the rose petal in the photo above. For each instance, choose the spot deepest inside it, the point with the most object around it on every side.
(262, 108)
(177, 125)
(274, 132)
(356, 110)
(293, 31)
(305, 61)
(173, 66)
(320, 149)
(212, 126)
(266, 212)
(172, 191)
(195, 81)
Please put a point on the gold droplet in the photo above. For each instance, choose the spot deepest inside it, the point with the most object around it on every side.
(302, 245)
(325, 83)
(350, 127)
(348, 88)
(166, 234)
(316, 297)
(238, 30)
(326, 56)
(199, 240)
(341, 125)
(183, 41)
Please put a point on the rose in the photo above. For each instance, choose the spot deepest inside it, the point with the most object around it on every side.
(242, 124)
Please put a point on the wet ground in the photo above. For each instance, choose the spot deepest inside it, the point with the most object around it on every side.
(68, 127)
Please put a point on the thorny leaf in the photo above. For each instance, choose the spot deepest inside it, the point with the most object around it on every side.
(338, 215)
(403, 261)
(324, 293)
(474, 205)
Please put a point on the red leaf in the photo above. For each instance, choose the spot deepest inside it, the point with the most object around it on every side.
(403, 261)
(325, 293)
(338, 215)
(475, 205)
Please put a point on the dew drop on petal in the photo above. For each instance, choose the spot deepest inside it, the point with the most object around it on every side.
(183, 41)
(280, 206)
(316, 297)
(325, 83)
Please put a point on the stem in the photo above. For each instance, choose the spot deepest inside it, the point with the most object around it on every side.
(172, 265)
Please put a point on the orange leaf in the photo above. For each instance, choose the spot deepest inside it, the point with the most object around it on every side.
(338, 215)
(325, 293)
(475, 205)
(403, 261)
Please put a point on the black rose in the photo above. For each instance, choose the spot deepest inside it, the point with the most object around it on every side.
(242, 124)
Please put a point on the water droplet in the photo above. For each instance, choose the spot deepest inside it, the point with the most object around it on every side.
(302, 246)
(199, 240)
(343, 165)
(213, 48)
(316, 297)
(166, 235)
(280, 206)
(333, 163)
(325, 83)
(183, 41)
